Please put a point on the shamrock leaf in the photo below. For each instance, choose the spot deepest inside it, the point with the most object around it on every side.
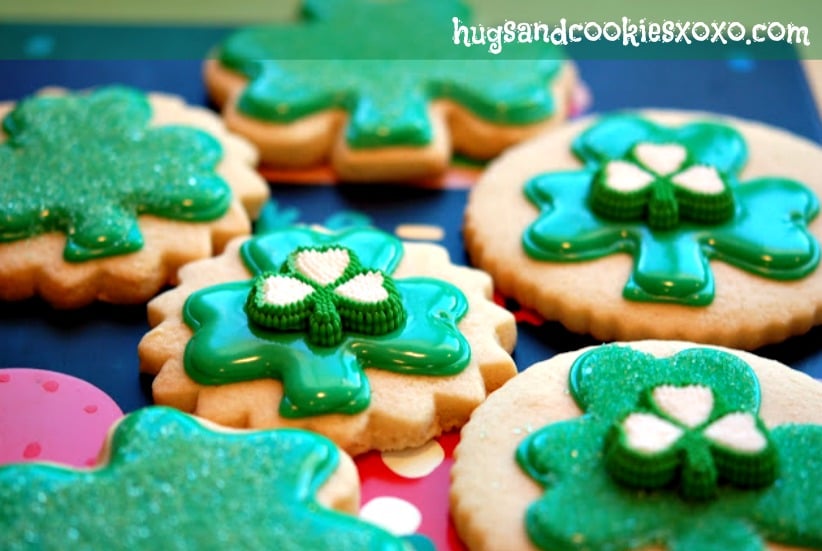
(321, 374)
(89, 165)
(681, 435)
(324, 290)
(695, 395)
(670, 198)
(383, 63)
(656, 181)
(171, 483)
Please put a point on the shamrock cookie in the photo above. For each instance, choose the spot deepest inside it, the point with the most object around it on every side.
(105, 194)
(665, 225)
(375, 343)
(381, 90)
(166, 481)
(645, 445)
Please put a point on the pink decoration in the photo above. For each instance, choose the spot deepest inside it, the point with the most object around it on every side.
(49, 416)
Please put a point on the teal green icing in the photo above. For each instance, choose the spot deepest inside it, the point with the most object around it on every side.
(767, 234)
(173, 484)
(276, 217)
(226, 347)
(383, 63)
(347, 219)
(89, 165)
(584, 508)
(419, 542)
(374, 248)
(707, 143)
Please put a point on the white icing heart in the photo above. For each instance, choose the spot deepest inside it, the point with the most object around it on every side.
(737, 431)
(648, 433)
(663, 159)
(700, 179)
(690, 405)
(324, 267)
(366, 288)
(626, 177)
(283, 290)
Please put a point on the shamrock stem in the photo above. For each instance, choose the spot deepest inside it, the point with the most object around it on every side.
(663, 210)
(324, 324)
(699, 475)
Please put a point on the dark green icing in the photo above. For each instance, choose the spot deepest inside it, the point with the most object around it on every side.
(767, 234)
(324, 313)
(89, 165)
(226, 347)
(383, 63)
(173, 484)
(583, 507)
(693, 462)
(663, 203)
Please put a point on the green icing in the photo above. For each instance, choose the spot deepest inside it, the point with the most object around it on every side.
(89, 165)
(227, 347)
(694, 461)
(766, 235)
(383, 63)
(326, 313)
(173, 484)
(584, 507)
(662, 203)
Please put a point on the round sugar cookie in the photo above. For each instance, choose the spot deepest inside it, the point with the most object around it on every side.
(657, 224)
(369, 340)
(104, 194)
(381, 91)
(171, 481)
(51, 416)
(643, 445)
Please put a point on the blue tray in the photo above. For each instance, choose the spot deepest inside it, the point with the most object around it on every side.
(99, 343)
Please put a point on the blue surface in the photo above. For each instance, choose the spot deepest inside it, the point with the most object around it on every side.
(99, 343)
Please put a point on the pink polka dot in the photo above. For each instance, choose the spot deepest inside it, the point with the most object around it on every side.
(32, 450)
(91, 461)
(52, 416)
(5, 377)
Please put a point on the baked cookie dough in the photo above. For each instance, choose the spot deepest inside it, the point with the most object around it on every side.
(380, 90)
(166, 480)
(644, 445)
(373, 342)
(659, 224)
(105, 194)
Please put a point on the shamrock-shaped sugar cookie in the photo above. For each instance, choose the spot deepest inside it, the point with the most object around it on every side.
(105, 194)
(169, 482)
(376, 343)
(381, 90)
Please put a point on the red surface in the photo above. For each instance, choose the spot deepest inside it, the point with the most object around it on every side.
(429, 494)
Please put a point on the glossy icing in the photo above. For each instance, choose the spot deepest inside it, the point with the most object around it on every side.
(88, 165)
(767, 234)
(172, 483)
(383, 63)
(226, 347)
(567, 459)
